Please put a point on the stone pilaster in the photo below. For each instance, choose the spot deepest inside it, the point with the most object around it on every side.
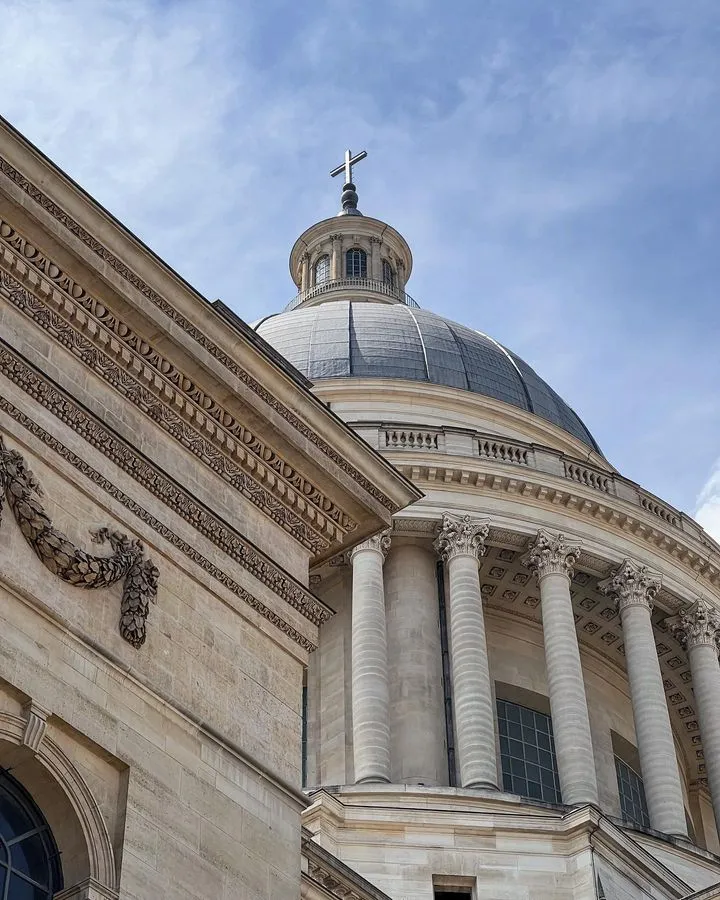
(698, 629)
(375, 259)
(635, 586)
(552, 557)
(337, 265)
(460, 543)
(304, 272)
(370, 697)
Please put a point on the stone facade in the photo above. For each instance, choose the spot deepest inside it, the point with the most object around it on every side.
(165, 482)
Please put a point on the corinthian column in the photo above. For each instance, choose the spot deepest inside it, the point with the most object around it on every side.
(635, 587)
(461, 542)
(371, 730)
(698, 630)
(551, 557)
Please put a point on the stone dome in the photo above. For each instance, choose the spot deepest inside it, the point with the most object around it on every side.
(379, 340)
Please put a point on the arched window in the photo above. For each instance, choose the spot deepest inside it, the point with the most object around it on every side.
(388, 274)
(322, 270)
(527, 752)
(29, 859)
(356, 263)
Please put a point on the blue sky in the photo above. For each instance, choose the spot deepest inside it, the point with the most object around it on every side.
(552, 165)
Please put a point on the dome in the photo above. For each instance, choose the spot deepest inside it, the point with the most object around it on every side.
(380, 340)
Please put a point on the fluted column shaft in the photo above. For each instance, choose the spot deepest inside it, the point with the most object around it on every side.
(552, 558)
(371, 730)
(460, 543)
(699, 630)
(635, 586)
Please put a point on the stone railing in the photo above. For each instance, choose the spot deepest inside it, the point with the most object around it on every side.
(411, 439)
(502, 451)
(659, 509)
(466, 443)
(593, 478)
(370, 285)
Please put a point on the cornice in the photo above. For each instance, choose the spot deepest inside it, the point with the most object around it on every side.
(52, 398)
(616, 514)
(132, 366)
(111, 261)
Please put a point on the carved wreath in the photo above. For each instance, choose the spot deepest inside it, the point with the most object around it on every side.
(58, 554)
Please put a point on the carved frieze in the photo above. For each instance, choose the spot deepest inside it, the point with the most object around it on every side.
(127, 458)
(72, 564)
(112, 262)
(173, 400)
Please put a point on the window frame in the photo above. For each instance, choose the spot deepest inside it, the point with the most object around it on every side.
(527, 752)
(324, 259)
(350, 256)
(631, 807)
(389, 277)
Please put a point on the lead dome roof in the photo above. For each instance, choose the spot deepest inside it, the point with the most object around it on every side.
(378, 340)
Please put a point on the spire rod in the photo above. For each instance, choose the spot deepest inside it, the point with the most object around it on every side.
(349, 195)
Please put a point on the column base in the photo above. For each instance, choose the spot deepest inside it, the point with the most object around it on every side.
(373, 779)
(481, 786)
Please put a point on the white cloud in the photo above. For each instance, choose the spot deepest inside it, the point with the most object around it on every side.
(707, 512)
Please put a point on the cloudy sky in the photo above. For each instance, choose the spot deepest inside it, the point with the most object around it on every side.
(552, 165)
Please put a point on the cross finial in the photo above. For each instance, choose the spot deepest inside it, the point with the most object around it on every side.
(346, 167)
(349, 195)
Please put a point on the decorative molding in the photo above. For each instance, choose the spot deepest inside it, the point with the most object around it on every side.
(178, 406)
(62, 770)
(698, 625)
(124, 271)
(131, 461)
(461, 536)
(380, 543)
(119, 267)
(552, 554)
(675, 546)
(89, 889)
(70, 563)
(632, 584)
(187, 549)
(35, 725)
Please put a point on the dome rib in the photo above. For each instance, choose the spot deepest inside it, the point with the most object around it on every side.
(422, 342)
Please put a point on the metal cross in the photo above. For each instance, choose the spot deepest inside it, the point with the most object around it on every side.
(346, 167)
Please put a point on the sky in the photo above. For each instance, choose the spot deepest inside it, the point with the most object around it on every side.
(553, 167)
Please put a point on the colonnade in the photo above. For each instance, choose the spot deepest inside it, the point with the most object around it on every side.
(461, 544)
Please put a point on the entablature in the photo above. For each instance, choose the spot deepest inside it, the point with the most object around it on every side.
(213, 386)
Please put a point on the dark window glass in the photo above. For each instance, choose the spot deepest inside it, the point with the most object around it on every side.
(388, 274)
(527, 753)
(322, 270)
(633, 806)
(29, 859)
(356, 263)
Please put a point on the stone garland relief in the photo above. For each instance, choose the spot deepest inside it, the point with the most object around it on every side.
(70, 563)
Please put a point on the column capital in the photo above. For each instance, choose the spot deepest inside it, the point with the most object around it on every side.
(632, 584)
(380, 543)
(461, 536)
(552, 554)
(698, 625)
